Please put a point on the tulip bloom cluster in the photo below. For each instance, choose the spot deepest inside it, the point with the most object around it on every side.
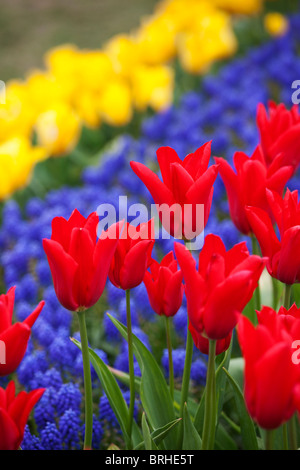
(218, 291)
(272, 376)
(283, 254)
(14, 410)
(187, 184)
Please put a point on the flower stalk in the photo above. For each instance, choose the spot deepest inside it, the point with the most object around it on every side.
(169, 346)
(87, 381)
(210, 413)
(130, 363)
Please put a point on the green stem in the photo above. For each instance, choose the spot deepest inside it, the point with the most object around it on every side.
(275, 292)
(169, 346)
(287, 296)
(186, 371)
(131, 364)
(257, 296)
(210, 413)
(285, 437)
(292, 429)
(269, 439)
(291, 425)
(87, 381)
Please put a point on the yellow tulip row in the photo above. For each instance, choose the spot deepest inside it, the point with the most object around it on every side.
(130, 72)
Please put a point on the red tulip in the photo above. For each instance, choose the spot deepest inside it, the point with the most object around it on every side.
(247, 186)
(271, 376)
(14, 413)
(283, 254)
(222, 286)
(79, 262)
(187, 186)
(279, 133)
(202, 343)
(164, 286)
(132, 255)
(14, 337)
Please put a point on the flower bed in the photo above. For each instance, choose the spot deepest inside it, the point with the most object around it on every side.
(224, 110)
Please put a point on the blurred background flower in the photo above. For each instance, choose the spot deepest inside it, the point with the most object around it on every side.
(74, 70)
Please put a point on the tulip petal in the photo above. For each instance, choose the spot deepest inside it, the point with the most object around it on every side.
(225, 304)
(173, 294)
(31, 319)
(165, 157)
(22, 406)
(263, 229)
(159, 191)
(135, 264)
(288, 270)
(6, 308)
(15, 339)
(196, 163)
(274, 395)
(63, 269)
(82, 250)
(9, 433)
(102, 259)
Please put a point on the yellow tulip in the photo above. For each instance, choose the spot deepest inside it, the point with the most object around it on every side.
(124, 54)
(211, 39)
(115, 103)
(276, 24)
(58, 129)
(246, 7)
(16, 114)
(156, 40)
(17, 159)
(152, 86)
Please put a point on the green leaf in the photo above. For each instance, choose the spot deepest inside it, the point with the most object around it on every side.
(154, 391)
(220, 388)
(236, 370)
(159, 434)
(114, 395)
(223, 439)
(148, 443)
(124, 378)
(248, 433)
(191, 438)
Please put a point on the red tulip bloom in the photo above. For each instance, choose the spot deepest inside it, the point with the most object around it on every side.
(79, 262)
(283, 253)
(14, 413)
(247, 186)
(202, 343)
(184, 197)
(222, 286)
(271, 376)
(279, 130)
(164, 286)
(132, 255)
(13, 337)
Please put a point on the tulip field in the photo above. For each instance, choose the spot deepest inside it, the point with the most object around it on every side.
(150, 238)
